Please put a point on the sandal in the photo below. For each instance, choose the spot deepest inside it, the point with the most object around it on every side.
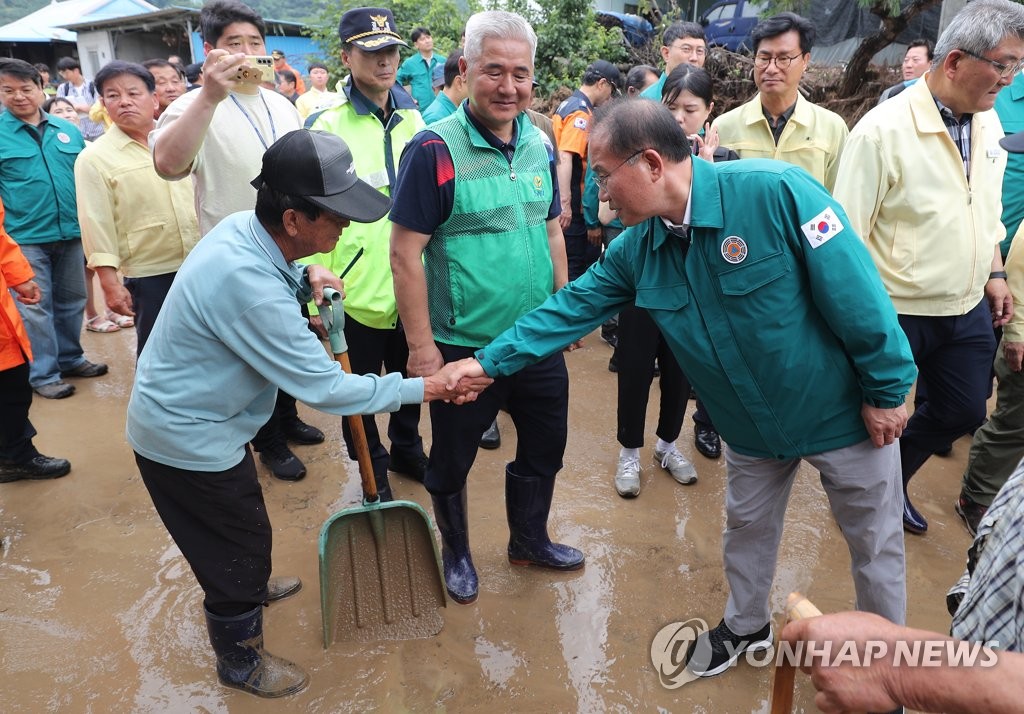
(121, 320)
(99, 323)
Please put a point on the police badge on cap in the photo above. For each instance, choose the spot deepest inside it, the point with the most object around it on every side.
(369, 29)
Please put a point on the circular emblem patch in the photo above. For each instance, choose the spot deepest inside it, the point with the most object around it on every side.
(63, 138)
(734, 249)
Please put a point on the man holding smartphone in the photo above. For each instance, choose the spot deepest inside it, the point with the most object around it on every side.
(218, 135)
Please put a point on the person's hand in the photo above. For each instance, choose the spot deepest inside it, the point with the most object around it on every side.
(118, 299)
(319, 278)
(317, 323)
(28, 292)
(1000, 301)
(424, 361)
(458, 382)
(595, 236)
(565, 217)
(220, 72)
(1013, 353)
(884, 425)
(706, 144)
(846, 686)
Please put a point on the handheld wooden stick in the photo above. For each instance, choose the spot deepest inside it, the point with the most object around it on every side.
(797, 608)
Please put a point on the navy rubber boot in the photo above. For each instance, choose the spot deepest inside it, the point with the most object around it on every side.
(242, 662)
(527, 504)
(459, 574)
(913, 521)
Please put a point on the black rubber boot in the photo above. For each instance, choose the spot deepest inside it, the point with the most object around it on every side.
(242, 662)
(459, 574)
(527, 503)
(383, 485)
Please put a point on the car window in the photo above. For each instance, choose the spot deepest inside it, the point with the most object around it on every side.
(753, 9)
(728, 11)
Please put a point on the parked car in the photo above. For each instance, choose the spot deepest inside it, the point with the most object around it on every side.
(728, 23)
(636, 31)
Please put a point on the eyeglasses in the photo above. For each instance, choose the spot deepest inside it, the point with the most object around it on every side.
(782, 62)
(602, 181)
(1005, 70)
(688, 49)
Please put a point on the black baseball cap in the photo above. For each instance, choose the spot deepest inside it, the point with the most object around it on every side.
(317, 165)
(602, 69)
(1014, 143)
(370, 29)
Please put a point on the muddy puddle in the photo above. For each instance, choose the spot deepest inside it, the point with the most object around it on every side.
(99, 613)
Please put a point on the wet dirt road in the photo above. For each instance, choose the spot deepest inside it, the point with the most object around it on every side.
(99, 612)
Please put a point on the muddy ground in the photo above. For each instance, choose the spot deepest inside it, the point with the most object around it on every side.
(100, 613)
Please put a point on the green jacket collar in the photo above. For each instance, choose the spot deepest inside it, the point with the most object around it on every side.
(705, 202)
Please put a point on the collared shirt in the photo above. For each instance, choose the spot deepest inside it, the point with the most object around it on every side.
(991, 607)
(418, 74)
(37, 178)
(777, 125)
(812, 137)
(959, 128)
(132, 219)
(228, 336)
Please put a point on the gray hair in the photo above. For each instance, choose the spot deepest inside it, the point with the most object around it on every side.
(980, 27)
(496, 24)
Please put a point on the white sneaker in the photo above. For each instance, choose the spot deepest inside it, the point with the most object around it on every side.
(627, 477)
(677, 465)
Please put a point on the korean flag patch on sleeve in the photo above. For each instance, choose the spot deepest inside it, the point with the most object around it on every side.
(822, 228)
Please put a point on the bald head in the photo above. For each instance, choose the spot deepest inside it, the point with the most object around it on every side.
(625, 127)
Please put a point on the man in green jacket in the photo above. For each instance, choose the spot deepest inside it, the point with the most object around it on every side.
(376, 118)
(776, 313)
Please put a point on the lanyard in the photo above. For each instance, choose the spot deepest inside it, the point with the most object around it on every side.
(270, 118)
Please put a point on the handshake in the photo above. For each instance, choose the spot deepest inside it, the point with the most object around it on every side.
(458, 382)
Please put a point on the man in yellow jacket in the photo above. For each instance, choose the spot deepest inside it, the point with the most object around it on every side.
(920, 179)
(19, 459)
(778, 123)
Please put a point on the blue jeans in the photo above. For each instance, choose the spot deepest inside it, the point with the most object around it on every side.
(54, 324)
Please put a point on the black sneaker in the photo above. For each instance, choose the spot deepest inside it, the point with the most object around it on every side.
(38, 468)
(716, 650)
(971, 512)
(299, 432)
(282, 462)
(414, 467)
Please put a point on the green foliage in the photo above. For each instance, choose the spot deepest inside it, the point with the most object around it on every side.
(443, 17)
(568, 38)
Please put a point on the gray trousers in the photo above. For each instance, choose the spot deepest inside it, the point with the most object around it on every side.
(865, 492)
(998, 444)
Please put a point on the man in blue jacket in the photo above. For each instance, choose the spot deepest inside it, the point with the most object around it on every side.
(37, 186)
(777, 314)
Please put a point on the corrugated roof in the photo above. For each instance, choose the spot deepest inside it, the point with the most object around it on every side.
(44, 25)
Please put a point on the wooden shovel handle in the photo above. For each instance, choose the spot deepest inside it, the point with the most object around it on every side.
(355, 424)
(797, 608)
